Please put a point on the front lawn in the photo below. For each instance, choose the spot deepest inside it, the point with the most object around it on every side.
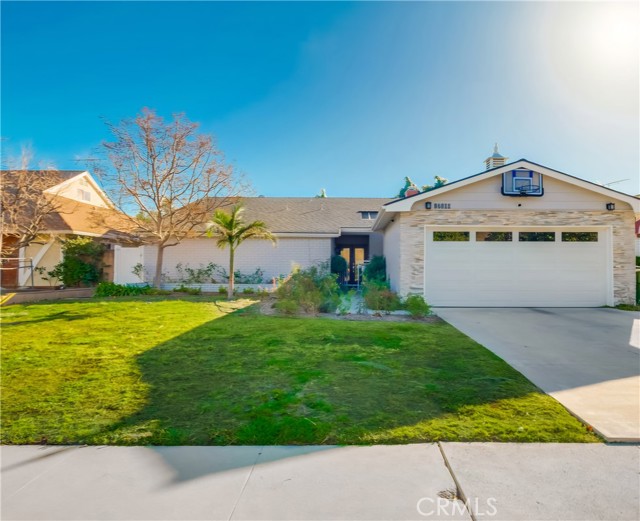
(194, 372)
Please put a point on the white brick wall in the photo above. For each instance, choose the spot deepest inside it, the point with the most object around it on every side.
(273, 260)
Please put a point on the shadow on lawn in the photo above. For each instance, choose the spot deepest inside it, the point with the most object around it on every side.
(246, 379)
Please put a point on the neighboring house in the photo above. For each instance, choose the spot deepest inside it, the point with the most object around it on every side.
(81, 209)
(518, 234)
(309, 231)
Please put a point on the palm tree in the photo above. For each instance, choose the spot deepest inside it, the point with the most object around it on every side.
(231, 230)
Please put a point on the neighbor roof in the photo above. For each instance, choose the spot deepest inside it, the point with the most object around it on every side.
(310, 215)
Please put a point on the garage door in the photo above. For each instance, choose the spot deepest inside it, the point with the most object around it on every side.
(516, 268)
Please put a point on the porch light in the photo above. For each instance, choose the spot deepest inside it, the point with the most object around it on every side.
(611, 206)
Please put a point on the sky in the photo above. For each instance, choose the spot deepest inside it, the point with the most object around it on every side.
(349, 97)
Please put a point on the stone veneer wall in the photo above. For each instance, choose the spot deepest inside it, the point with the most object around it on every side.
(622, 223)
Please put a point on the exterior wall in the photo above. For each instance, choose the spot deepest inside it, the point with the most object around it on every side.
(52, 257)
(273, 260)
(376, 244)
(71, 192)
(621, 222)
(485, 195)
(124, 261)
(392, 252)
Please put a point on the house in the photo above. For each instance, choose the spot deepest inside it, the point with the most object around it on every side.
(308, 231)
(78, 207)
(517, 234)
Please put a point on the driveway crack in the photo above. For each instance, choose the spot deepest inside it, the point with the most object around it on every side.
(459, 491)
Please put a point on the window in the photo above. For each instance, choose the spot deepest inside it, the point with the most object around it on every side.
(579, 236)
(369, 216)
(84, 195)
(537, 236)
(494, 236)
(451, 236)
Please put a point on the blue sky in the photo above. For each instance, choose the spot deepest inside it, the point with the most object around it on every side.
(350, 97)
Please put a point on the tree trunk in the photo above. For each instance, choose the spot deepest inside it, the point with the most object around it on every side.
(231, 275)
(157, 279)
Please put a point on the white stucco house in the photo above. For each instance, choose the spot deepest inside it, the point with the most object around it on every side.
(516, 234)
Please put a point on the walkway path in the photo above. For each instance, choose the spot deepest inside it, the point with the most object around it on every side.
(510, 481)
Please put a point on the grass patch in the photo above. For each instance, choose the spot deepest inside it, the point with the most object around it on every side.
(151, 370)
(628, 307)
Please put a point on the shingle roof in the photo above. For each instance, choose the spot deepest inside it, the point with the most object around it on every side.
(310, 214)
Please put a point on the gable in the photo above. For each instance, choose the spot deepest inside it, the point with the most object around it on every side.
(82, 188)
(487, 195)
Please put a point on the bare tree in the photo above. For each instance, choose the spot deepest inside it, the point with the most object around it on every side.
(26, 208)
(167, 178)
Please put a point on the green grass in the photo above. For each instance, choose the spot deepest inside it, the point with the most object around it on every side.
(149, 370)
(628, 307)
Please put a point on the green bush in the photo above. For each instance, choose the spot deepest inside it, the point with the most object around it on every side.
(379, 297)
(189, 291)
(81, 263)
(111, 289)
(416, 306)
(248, 291)
(339, 266)
(288, 306)
(222, 290)
(376, 269)
(313, 290)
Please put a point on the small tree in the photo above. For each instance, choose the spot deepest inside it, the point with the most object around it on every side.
(231, 230)
(166, 178)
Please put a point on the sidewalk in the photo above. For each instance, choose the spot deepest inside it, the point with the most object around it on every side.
(498, 481)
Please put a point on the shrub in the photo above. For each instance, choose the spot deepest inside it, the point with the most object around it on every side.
(378, 296)
(376, 269)
(287, 306)
(339, 266)
(111, 289)
(313, 289)
(189, 291)
(222, 290)
(416, 306)
(81, 263)
(248, 291)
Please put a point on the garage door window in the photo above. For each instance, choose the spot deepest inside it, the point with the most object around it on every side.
(579, 236)
(451, 236)
(494, 236)
(537, 236)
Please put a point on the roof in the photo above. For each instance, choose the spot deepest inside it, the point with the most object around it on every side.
(76, 217)
(310, 215)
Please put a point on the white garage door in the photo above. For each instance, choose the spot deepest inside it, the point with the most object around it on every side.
(516, 268)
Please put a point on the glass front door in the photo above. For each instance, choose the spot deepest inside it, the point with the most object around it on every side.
(355, 256)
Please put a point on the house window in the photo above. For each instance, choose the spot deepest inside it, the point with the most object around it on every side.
(451, 236)
(369, 216)
(579, 236)
(494, 236)
(84, 195)
(537, 236)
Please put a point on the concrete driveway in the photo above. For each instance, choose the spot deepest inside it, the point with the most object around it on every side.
(587, 359)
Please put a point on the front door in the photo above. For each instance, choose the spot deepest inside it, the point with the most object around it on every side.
(355, 256)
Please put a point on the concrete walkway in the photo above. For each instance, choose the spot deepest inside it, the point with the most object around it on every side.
(587, 359)
(496, 481)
